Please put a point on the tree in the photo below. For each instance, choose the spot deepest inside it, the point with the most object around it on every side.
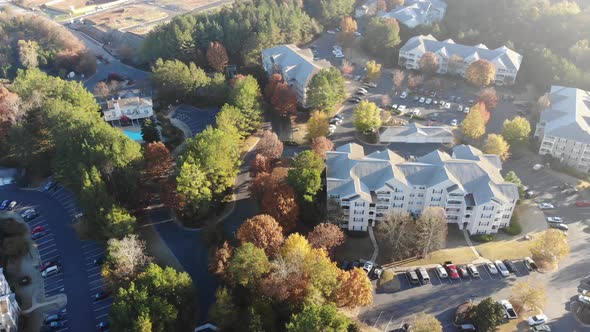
(318, 318)
(126, 258)
(529, 294)
(305, 176)
(391, 4)
(223, 311)
(221, 259)
(118, 223)
(232, 118)
(432, 230)
(373, 70)
(414, 81)
(489, 97)
(367, 117)
(397, 236)
(347, 68)
(382, 36)
(429, 63)
(516, 130)
(102, 90)
(496, 144)
(176, 80)
(482, 109)
(326, 90)
(28, 53)
(217, 56)
(11, 111)
(284, 100)
(264, 232)
(550, 247)
(481, 73)
(317, 125)
(279, 201)
(398, 78)
(270, 146)
(158, 160)
(320, 145)
(456, 63)
(149, 131)
(473, 126)
(513, 178)
(169, 194)
(247, 265)
(193, 185)
(355, 289)
(273, 81)
(348, 24)
(245, 95)
(260, 164)
(425, 323)
(486, 315)
(326, 236)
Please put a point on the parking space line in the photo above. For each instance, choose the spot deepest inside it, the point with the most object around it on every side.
(488, 273)
(47, 253)
(436, 275)
(107, 306)
(89, 251)
(96, 280)
(48, 238)
(102, 316)
(96, 255)
(377, 318)
(47, 247)
(37, 222)
(51, 258)
(408, 279)
(93, 275)
(62, 288)
(387, 326)
(93, 268)
(97, 287)
(53, 282)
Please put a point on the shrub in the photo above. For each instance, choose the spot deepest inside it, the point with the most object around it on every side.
(483, 238)
(514, 228)
(389, 282)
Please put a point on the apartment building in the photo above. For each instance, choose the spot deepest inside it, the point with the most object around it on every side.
(564, 127)
(418, 12)
(467, 184)
(131, 110)
(506, 61)
(297, 67)
(416, 133)
(9, 308)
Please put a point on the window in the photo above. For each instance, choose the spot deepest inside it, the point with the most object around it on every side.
(359, 203)
(420, 195)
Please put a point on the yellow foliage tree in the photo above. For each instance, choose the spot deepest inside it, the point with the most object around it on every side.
(550, 247)
(373, 70)
(496, 144)
(528, 295)
(425, 323)
(317, 125)
(481, 72)
(355, 289)
(473, 125)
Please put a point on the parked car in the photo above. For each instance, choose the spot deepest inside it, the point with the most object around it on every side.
(546, 206)
(537, 167)
(447, 106)
(354, 100)
(584, 299)
(416, 98)
(530, 194)
(510, 266)
(537, 320)
(423, 275)
(4, 204)
(404, 95)
(335, 121)
(452, 270)
(57, 325)
(508, 309)
(49, 186)
(355, 264)
(502, 268)
(466, 110)
(45, 266)
(428, 101)
(441, 271)
(422, 100)
(393, 107)
(51, 271)
(100, 295)
(529, 264)
(103, 326)
(331, 32)
(368, 266)
(583, 203)
(454, 122)
(345, 265)
(377, 273)
(560, 226)
(462, 271)
(412, 277)
(38, 235)
(11, 205)
(473, 272)
(401, 108)
(53, 318)
(415, 111)
(29, 214)
(361, 93)
(467, 328)
(37, 229)
(460, 108)
(541, 328)
(570, 191)
(492, 268)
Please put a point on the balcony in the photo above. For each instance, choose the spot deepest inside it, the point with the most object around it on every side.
(454, 203)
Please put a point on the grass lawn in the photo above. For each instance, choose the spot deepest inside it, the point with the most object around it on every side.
(513, 249)
(354, 248)
(460, 255)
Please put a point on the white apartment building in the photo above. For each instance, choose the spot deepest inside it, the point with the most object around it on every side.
(418, 12)
(133, 110)
(467, 184)
(9, 308)
(564, 127)
(506, 61)
(297, 67)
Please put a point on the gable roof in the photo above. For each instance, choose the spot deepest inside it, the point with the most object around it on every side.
(568, 116)
(414, 130)
(501, 56)
(298, 64)
(415, 12)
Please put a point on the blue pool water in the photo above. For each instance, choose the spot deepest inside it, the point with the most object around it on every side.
(134, 135)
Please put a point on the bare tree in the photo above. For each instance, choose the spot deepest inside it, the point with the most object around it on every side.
(398, 78)
(126, 258)
(432, 230)
(397, 236)
(102, 90)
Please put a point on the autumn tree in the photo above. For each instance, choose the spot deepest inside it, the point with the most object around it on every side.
(489, 97)
(398, 78)
(158, 160)
(317, 125)
(432, 230)
(11, 111)
(529, 294)
(317, 317)
(102, 90)
(428, 63)
(455, 64)
(473, 126)
(220, 260)
(481, 72)
(264, 232)
(348, 24)
(347, 68)
(483, 110)
(217, 56)
(550, 247)
(28, 56)
(367, 117)
(326, 236)
(415, 80)
(373, 70)
(392, 4)
(516, 130)
(284, 100)
(355, 289)
(247, 265)
(169, 194)
(260, 164)
(320, 145)
(280, 202)
(423, 322)
(496, 144)
(262, 183)
(270, 145)
(381, 6)
(273, 81)
(126, 258)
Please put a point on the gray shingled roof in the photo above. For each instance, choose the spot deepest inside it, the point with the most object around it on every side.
(569, 114)
(414, 129)
(500, 56)
(414, 12)
(297, 62)
(349, 172)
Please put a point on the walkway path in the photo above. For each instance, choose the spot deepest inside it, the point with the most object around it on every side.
(375, 245)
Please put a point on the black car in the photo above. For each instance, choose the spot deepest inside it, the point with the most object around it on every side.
(101, 295)
(103, 326)
(345, 265)
(99, 260)
(510, 266)
(355, 264)
(376, 273)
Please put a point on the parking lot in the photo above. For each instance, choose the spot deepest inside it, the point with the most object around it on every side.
(196, 119)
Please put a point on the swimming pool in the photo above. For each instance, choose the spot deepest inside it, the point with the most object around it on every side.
(134, 135)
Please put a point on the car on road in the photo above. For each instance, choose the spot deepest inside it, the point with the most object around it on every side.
(546, 206)
(412, 277)
(452, 270)
(541, 328)
(508, 309)
(510, 266)
(537, 167)
(51, 271)
(53, 318)
(583, 203)
(454, 122)
(584, 299)
(473, 272)
(529, 264)
(440, 271)
(560, 226)
(335, 121)
(492, 268)
(537, 320)
(502, 268)
(404, 95)
(462, 271)
(100, 296)
(37, 229)
(423, 275)
(38, 235)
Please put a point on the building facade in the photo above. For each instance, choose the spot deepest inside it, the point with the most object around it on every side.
(467, 184)
(455, 58)
(9, 308)
(297, 67)
(132, 110)
(418, 12)
(564, 127)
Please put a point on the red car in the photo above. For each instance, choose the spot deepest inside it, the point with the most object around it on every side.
(452, 270)
(582, 204)
(37, 229)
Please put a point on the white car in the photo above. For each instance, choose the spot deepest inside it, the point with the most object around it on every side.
(401, 108)
(546, 206)
(537, 167)
(460, 109)
(466, 110)
(442, 273)
(537, 320)
(394, 106)
(368, 266)
(584, 299)
(331, 32)
(492, 268)
(454, 123)
(415, 111)
(447, 106)
(358, 34)
(404, 95)
(502, 268)
(339, 55)
(422, 99)
(557, 220)
(428, 101)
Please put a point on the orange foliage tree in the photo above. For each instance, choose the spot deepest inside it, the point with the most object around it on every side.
(489, 97)
(260, 164)
(264, 232)
(280, 201)
(355, 289)
(481, 108)
(326, 236)
(481, 72)
(220, 259)
(217, 56)
(284, 99)
(321, 145)
(158, 160)
(428, 63)
(273, 81)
